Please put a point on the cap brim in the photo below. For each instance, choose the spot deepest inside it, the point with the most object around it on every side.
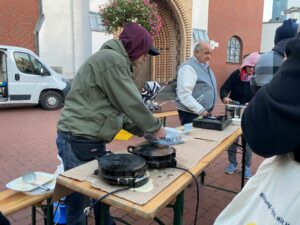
(153, 51)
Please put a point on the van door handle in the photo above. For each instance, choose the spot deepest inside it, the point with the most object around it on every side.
(17, 76)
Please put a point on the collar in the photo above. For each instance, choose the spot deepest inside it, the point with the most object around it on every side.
(205, 65)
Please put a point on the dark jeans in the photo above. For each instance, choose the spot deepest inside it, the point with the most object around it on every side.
(186, 117)
(76, 202)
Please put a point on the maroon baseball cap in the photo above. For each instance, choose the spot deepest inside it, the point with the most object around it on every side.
(137, 41)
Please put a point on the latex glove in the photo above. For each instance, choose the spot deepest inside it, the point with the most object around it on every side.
(160, 133)
(173, 137)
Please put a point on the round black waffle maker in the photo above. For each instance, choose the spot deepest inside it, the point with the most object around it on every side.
(123, 169)
(155, 156)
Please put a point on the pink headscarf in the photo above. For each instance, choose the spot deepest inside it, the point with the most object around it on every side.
(250, 60)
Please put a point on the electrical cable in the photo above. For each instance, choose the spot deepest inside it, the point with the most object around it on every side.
(59, 213)
(57, 210)
(87, 210)
(197, 189)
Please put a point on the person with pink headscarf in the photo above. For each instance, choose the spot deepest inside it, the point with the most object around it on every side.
(237, 85)
(237, 88)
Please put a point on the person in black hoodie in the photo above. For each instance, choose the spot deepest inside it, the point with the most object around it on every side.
(271, 125)
(271, 121)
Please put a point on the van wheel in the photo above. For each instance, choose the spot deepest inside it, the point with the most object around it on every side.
(51, 100)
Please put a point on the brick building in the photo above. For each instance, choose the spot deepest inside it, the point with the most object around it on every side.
(229, 21)
(17, 22)
(239, 22)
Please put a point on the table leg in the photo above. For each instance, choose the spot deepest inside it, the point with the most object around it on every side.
(164, 120)
(33, 215)
(49, 212)
(202, 177)
(104, 210)
(243, 161)
(178, 209)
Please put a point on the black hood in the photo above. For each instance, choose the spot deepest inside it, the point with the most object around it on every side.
(280, 46)
(271, 121)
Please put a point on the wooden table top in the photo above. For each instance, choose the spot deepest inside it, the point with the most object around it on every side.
(150, 209)
(13, 201)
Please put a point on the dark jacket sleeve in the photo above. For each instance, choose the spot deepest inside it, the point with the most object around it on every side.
(271, 121)
(229, 84)
(3, 220)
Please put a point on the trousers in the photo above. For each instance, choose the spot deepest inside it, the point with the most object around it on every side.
(76, 202)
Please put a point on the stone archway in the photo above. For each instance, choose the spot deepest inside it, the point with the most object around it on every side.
(174, 42)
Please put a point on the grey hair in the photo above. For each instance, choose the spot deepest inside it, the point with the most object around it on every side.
(199, 45)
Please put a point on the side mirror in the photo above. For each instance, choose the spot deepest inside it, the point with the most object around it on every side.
(42, 71)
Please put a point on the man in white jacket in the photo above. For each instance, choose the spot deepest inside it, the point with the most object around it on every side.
(196, 85)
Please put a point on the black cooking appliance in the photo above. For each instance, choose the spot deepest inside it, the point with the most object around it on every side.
(155, 156)
(212, 122)
(123, 169)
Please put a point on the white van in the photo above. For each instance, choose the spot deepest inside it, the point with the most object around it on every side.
(25, 79)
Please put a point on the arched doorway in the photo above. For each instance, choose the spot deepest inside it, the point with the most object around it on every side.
(174, 42)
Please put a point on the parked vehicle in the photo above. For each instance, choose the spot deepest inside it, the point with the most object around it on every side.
(26, 79)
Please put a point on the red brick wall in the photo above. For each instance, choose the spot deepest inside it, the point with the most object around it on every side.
(17, 22)
(233, 18)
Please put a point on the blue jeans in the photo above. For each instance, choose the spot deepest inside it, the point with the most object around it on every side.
(186, 117)
(232, 154)
(76, 202)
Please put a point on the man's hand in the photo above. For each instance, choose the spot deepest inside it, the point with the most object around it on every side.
(204, 113)
(226, 100)
(160, 133)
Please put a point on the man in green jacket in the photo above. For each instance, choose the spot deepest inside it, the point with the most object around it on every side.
(103, 100)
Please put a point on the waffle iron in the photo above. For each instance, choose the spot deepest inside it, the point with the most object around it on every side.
(155, 156)
(123, 169)
(212, 122)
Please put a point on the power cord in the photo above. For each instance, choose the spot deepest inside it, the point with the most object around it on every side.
(197, 189)
(87, 210)
(59, 213)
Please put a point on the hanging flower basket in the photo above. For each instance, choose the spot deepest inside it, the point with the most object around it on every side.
(118, 12)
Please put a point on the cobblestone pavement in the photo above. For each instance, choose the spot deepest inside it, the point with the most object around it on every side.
(27, 143)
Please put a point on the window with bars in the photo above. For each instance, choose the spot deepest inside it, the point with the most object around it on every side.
(234, 50)
(199, 35)
(95, 22)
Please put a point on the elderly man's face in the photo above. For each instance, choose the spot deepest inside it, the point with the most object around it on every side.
(203, 55)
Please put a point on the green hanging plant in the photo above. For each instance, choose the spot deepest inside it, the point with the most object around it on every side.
(118, 12)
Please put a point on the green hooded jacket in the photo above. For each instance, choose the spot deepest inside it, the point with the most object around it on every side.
(103, 98)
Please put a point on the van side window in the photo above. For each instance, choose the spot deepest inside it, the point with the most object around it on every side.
(30, 65)
(3, 75)
(3, 72)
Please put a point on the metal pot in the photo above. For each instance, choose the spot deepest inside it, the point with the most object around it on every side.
(234, 111)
